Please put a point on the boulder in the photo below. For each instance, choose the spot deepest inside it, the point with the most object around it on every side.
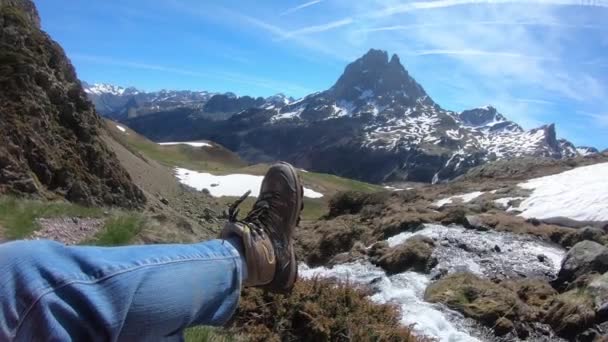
(477, 298)
(592, 233)
(583, 258)
(414, 254)
(514, 307)
(476, 222)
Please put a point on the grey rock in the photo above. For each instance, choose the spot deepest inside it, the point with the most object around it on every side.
(476, 222)
(583, 258)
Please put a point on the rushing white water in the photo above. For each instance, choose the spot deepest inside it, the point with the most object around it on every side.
(457, 249)
(488, 253)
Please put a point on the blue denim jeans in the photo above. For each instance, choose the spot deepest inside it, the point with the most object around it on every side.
(53, 292)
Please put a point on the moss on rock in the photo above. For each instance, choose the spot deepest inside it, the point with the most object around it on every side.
(414, 254)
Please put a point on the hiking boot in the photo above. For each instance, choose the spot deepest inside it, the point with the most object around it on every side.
(267, 231)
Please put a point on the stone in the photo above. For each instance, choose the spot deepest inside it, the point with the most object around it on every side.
(415, 254)
(503, 326)
(476, 222)
(591, 233)
(583, 258)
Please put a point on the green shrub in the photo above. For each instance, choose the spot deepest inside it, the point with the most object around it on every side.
(208, 334)
(319, 310)
(119, 230)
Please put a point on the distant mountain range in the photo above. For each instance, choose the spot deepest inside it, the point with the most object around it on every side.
(375, 124)
(121, 103)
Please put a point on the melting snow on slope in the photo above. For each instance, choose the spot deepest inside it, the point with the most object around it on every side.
(120, 128)
(190, 143)
(580, 194)
(288, 115)
(505, 200)
(227, 185)
(464, 198)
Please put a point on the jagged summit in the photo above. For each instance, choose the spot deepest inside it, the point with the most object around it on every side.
(481, 116)
(374, 75)
(376, 123)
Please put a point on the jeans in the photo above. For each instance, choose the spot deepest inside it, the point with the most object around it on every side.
(52, 292)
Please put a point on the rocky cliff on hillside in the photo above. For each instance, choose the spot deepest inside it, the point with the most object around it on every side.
(50, 142)
(376, 124)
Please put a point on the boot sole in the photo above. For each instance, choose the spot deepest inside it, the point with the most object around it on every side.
(287, 284)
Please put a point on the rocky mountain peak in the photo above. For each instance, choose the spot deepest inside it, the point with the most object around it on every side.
(550, 135)
(481, 116)
(374, 74)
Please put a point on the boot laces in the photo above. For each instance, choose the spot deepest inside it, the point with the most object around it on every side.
(260, 216)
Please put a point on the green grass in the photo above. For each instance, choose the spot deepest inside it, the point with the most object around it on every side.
(198, 159)
(119, 230)
(18, 219)
(340, 183)
(18, 216)
(314, 208)
(208, 334)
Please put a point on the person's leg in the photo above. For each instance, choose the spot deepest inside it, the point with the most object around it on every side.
(54, 292)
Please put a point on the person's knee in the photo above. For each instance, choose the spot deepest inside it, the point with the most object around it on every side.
(25, 250)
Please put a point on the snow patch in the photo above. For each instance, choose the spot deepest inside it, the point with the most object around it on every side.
(190, 143)
(288, 115)
(122, 129)
(233, 185)
(584, 151)
(366, 94)
(580, 194)
(505, 201)
(465, 198)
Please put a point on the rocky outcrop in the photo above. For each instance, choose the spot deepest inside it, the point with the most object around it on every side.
(583, 258)
(230, 103)
(50, 143)
(415, 254)
(509, 307)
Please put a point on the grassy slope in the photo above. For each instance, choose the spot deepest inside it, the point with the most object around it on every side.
(18, 219)
(219, 160)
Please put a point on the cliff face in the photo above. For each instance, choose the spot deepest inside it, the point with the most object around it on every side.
(50, 144)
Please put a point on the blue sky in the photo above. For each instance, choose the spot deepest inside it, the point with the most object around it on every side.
(536, 61)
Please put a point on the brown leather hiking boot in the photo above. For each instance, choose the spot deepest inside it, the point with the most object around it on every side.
(267, 231)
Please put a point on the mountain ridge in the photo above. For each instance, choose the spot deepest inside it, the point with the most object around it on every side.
(374, 110)
(121, 103)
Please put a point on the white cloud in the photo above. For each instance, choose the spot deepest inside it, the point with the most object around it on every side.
(302, 6)
(598, 119)
(472, 52)
(319, 28)
(426, 5)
